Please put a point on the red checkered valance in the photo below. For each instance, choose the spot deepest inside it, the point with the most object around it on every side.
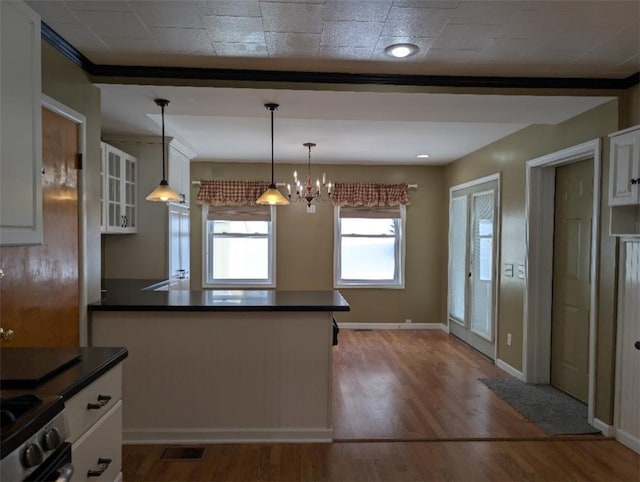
(369, 194)
(231, 193)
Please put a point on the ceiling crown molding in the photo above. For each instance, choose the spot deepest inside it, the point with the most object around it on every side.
(99, 72)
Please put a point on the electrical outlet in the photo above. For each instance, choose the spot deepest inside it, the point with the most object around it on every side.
(508, 339)
(408, 320)
(311, 209)
(508, 269)
(521, 271)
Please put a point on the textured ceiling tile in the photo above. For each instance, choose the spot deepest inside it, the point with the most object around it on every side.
(356, 34)
(617, 49)
(235, 8)
(53, 12)
(352, 53)
(360, 10)
(183, 39)
(447, 4)
(512, 49)
(292, 17)
(169, 14)
(98, 6)
(474, 37)
(293, 44)
(114, 24)
(79, 35)
(415, 22)
(489, 13)
(125, 45)
(235, 29)
(240, 49)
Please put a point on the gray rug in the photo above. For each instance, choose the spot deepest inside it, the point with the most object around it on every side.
(554, 411)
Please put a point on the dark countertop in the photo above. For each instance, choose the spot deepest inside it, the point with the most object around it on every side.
(68, 381)
(131, 295)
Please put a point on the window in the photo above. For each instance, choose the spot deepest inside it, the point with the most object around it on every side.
(239, 246)
(369, 246)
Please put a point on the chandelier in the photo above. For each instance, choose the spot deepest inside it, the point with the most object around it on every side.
(320, 191)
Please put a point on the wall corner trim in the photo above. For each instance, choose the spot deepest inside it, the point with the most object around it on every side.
(509, 369)
(606, 429)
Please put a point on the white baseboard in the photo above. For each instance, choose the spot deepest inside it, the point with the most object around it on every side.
(509, 369)
(628, 440)
(231, 435)
(393, 326)
(606, 429)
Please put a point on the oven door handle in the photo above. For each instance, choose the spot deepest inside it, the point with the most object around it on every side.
(64, 473)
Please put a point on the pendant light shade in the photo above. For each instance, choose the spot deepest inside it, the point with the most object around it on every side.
(272, 196)
(163, 193)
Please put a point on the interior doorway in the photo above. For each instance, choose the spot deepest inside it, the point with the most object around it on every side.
(473, 252)
(540, 207)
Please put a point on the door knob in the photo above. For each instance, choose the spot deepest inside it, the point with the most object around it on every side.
(637, 345)
(6, 335)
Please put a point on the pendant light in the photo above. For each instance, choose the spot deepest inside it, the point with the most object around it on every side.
(272, 195)
(163, 193)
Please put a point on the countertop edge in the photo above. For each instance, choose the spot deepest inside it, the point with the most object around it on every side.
(96, 373)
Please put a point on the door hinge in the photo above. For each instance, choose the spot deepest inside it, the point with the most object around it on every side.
(79, 160)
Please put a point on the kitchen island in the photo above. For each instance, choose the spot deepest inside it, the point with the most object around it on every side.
(222, 365)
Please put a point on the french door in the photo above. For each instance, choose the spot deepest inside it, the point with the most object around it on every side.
(473, 229)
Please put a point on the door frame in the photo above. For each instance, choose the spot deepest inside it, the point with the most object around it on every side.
(497, 247)
(81, 122)
(539, 208)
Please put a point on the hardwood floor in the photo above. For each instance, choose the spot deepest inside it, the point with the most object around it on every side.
(407, 407)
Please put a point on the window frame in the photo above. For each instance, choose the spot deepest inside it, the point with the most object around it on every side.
(239, 283)
(398, 281)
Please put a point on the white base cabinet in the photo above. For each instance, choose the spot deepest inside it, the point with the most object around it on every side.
(95, 422)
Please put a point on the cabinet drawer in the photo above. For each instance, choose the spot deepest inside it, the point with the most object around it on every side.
(91, 403)
(97, 455)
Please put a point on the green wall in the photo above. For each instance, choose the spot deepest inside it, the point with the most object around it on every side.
(305, 241)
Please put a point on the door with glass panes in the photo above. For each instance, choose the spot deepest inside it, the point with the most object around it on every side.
(473, 228)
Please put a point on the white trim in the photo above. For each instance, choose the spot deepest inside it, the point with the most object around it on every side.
(81, 121)
(393, 326)
(539, 208)
(481, 180)
(509, 369)
(228, 435)
(628, 440)
(606, 429)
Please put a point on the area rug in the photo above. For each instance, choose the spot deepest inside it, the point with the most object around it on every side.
(552, 410)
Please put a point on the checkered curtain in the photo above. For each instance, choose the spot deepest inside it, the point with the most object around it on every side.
(369, 194)
(231, 193)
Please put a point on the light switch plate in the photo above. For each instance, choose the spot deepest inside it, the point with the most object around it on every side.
(311, 209)
(521, 271)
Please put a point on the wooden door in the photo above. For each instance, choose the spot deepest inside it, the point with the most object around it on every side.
(39, 294)
(571, 279)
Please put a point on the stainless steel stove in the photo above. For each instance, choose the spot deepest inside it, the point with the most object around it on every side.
(32, 438)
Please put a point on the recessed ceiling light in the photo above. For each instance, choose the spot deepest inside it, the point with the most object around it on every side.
(401, 51)
(423, 156)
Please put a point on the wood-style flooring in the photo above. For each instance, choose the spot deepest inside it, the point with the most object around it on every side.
(408, 406)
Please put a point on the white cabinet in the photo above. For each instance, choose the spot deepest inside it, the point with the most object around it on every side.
(178, 242)
(95, 422)
(624, 182)
(119, 176)
(20, 126)
(624, 167)
(179, 174)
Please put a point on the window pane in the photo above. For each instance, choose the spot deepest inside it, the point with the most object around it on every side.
(240, 227)
(240, 258)
(357, 255)
(457, 257)
(368, 226)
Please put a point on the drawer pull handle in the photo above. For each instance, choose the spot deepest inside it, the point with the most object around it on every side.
(102, 401)
(103, 465)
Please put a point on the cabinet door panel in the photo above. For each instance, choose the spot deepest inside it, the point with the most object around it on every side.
(624, 171)
(20, 126)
